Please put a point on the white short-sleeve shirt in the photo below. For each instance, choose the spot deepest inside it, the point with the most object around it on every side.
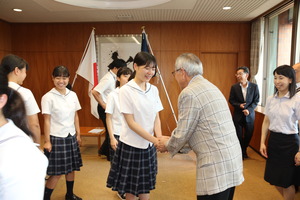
(283, 113)
(113, 108)
(22, 165)
(31, 106)
(62, 109)
(106, 85)
(144, 105)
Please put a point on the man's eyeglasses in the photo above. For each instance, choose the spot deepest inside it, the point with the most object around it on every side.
(239, 74)
(173, 73)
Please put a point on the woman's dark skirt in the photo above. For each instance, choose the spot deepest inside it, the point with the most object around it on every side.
(133, 170)
(280, 166)
(111, 151)
(65, 155)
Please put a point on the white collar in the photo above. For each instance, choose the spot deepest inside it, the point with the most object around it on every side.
(113, 74)
(133, 84)
(287, 95)
(54, 91)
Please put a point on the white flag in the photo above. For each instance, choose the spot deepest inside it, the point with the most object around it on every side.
(88, 69)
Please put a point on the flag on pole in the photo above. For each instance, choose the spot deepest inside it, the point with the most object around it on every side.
(88, 69)
(144, 46)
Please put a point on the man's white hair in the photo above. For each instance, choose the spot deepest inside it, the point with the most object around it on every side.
(190, 63)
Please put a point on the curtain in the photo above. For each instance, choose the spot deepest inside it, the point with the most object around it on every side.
(256, 47)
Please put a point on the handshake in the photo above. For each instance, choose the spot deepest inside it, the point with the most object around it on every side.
(161, 143)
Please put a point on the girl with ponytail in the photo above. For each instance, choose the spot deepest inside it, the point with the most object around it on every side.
(22, 164)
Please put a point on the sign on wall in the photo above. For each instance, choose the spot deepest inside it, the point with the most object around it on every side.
(125, 45)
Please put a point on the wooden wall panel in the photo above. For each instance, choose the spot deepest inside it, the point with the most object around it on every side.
(219, 68)
(167, 66)
(179, 36)
(243, 59)
(244, 37)
(5, 38)
(224, 37)
(45, 46)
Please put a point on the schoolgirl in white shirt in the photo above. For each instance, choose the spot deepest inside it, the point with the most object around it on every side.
(16, 69)
(105, 86)
(113, 114)
(282, 113)
(22, 165)
(62, 133)
(134, 167)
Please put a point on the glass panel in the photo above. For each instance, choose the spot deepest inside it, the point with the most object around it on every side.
(279, 38)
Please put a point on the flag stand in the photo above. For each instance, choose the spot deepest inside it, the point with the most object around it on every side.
(162, 80)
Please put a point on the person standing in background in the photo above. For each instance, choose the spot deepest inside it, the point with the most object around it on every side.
(134, 166)
(101, 91)
(22, 165)
(62, 133)
(282, 112)
(16, 68)
(244, 97)
(113, 114)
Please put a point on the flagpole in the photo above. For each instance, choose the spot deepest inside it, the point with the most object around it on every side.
(162, 80)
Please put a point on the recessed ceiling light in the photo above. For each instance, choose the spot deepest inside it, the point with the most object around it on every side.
(17, 10)
(226, 8)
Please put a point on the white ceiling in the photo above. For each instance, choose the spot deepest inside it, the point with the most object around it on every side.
(175, 10)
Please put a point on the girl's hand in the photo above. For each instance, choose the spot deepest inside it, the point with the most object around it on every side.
(114, 144)
(48, 146)
(297, 159)
(78, 139)
(263, 150)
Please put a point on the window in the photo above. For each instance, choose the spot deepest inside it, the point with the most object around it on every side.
(277, 47)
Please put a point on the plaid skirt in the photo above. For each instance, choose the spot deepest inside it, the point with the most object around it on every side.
(111, 151)
(133, 170)
(65, 155)
(280, 166)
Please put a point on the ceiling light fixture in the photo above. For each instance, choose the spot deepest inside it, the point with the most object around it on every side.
(116, 4)
(17, 10)
(226, 8)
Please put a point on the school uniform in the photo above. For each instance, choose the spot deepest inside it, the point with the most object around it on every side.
(22, 165)
(283, 143)
(31, 106)
(134, 167)
(105, 86)
(113, 108)
(65, 155)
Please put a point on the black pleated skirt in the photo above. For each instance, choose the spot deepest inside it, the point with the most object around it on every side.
(280, 166)
(133, 170)
(65, 155)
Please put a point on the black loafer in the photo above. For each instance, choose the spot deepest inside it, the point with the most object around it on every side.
(73, 197)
